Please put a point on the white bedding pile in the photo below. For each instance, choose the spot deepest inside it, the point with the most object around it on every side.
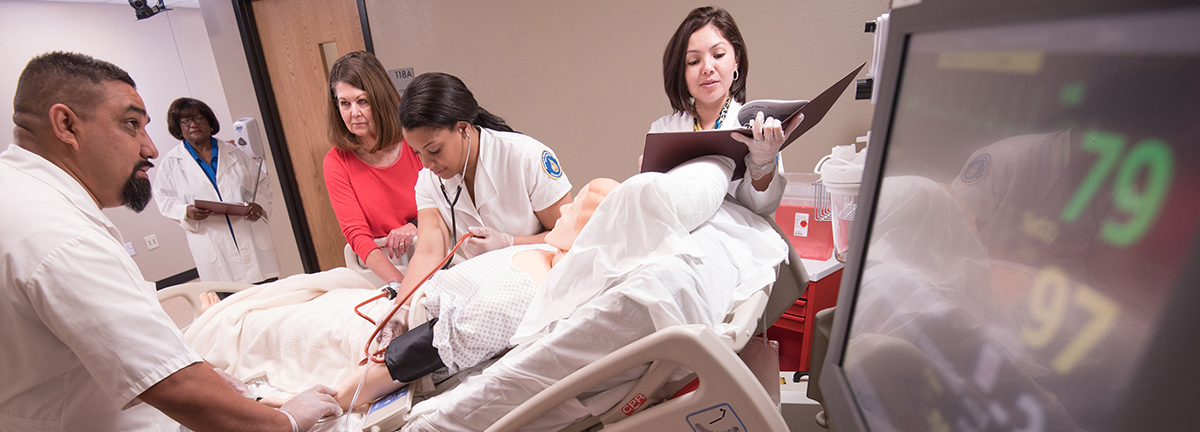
(293, 334)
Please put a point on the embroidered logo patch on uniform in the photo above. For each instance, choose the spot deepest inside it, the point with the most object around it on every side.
(977, 169)
(550, 165)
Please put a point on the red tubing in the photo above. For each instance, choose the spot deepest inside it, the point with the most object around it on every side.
(377, 356)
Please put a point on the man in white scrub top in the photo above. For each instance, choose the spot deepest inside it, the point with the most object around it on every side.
(85, 340)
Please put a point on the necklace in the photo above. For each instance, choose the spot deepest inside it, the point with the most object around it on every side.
(380, 159)
(720, 118)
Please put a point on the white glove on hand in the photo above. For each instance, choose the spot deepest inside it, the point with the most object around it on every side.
(765, 144)
(486, 239)
(309, 406)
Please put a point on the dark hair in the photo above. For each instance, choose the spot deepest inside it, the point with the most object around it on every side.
(437, 100)
(363, 71)
(184, 105)
(675, 57)
(73, 79)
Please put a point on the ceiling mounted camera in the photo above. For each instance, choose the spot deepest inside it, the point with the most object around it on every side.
(144, 10)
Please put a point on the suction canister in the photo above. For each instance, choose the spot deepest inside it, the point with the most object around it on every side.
(841, 173)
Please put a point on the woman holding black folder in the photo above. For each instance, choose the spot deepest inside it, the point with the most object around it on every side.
(226, 247)
(704, 73)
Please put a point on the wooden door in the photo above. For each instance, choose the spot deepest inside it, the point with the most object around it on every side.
(293, 34)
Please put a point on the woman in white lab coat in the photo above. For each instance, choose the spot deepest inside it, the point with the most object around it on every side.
(225, 247)
(704, 73)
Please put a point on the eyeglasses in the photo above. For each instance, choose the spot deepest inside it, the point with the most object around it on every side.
(200, 121)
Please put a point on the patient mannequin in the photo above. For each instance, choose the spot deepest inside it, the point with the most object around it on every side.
(661, 250)
(534, 261)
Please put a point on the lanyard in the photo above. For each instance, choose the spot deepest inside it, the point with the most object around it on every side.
(720, 118)
(209, 168)
(210, 171)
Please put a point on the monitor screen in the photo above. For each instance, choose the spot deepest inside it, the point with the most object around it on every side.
(1037, 201)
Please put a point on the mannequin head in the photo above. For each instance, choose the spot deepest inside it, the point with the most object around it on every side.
(576, 214)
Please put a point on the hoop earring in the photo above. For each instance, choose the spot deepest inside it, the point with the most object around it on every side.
(735, 74)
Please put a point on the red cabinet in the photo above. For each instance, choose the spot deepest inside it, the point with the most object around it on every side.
(794, 328)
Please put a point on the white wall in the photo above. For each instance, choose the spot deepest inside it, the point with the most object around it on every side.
(585, 78)
(168, 55)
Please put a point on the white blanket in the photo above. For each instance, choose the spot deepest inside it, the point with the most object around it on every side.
(293, 334)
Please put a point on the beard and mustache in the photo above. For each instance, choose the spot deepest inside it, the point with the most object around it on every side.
(136, 193)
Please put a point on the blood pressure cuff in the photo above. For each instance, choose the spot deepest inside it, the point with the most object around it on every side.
(412, 355)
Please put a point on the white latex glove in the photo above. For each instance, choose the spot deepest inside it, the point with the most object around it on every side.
(765, 144)
(399, 240)
(486, 239)
(310, 405)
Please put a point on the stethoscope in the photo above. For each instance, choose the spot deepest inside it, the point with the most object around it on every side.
(457, 193)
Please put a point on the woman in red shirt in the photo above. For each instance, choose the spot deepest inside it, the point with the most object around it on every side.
(370, 172)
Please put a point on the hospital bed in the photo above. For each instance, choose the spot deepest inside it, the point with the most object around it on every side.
(189, 294)
(728, 394)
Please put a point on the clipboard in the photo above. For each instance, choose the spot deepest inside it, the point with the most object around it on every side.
(235, 209)
(666, 150)
(223, 207)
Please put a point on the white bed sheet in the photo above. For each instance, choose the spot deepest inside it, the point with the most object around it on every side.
(287, 336)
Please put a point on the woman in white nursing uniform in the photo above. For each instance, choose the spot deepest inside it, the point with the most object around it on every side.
(704, 74)
(227, 248)
(479, 177)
